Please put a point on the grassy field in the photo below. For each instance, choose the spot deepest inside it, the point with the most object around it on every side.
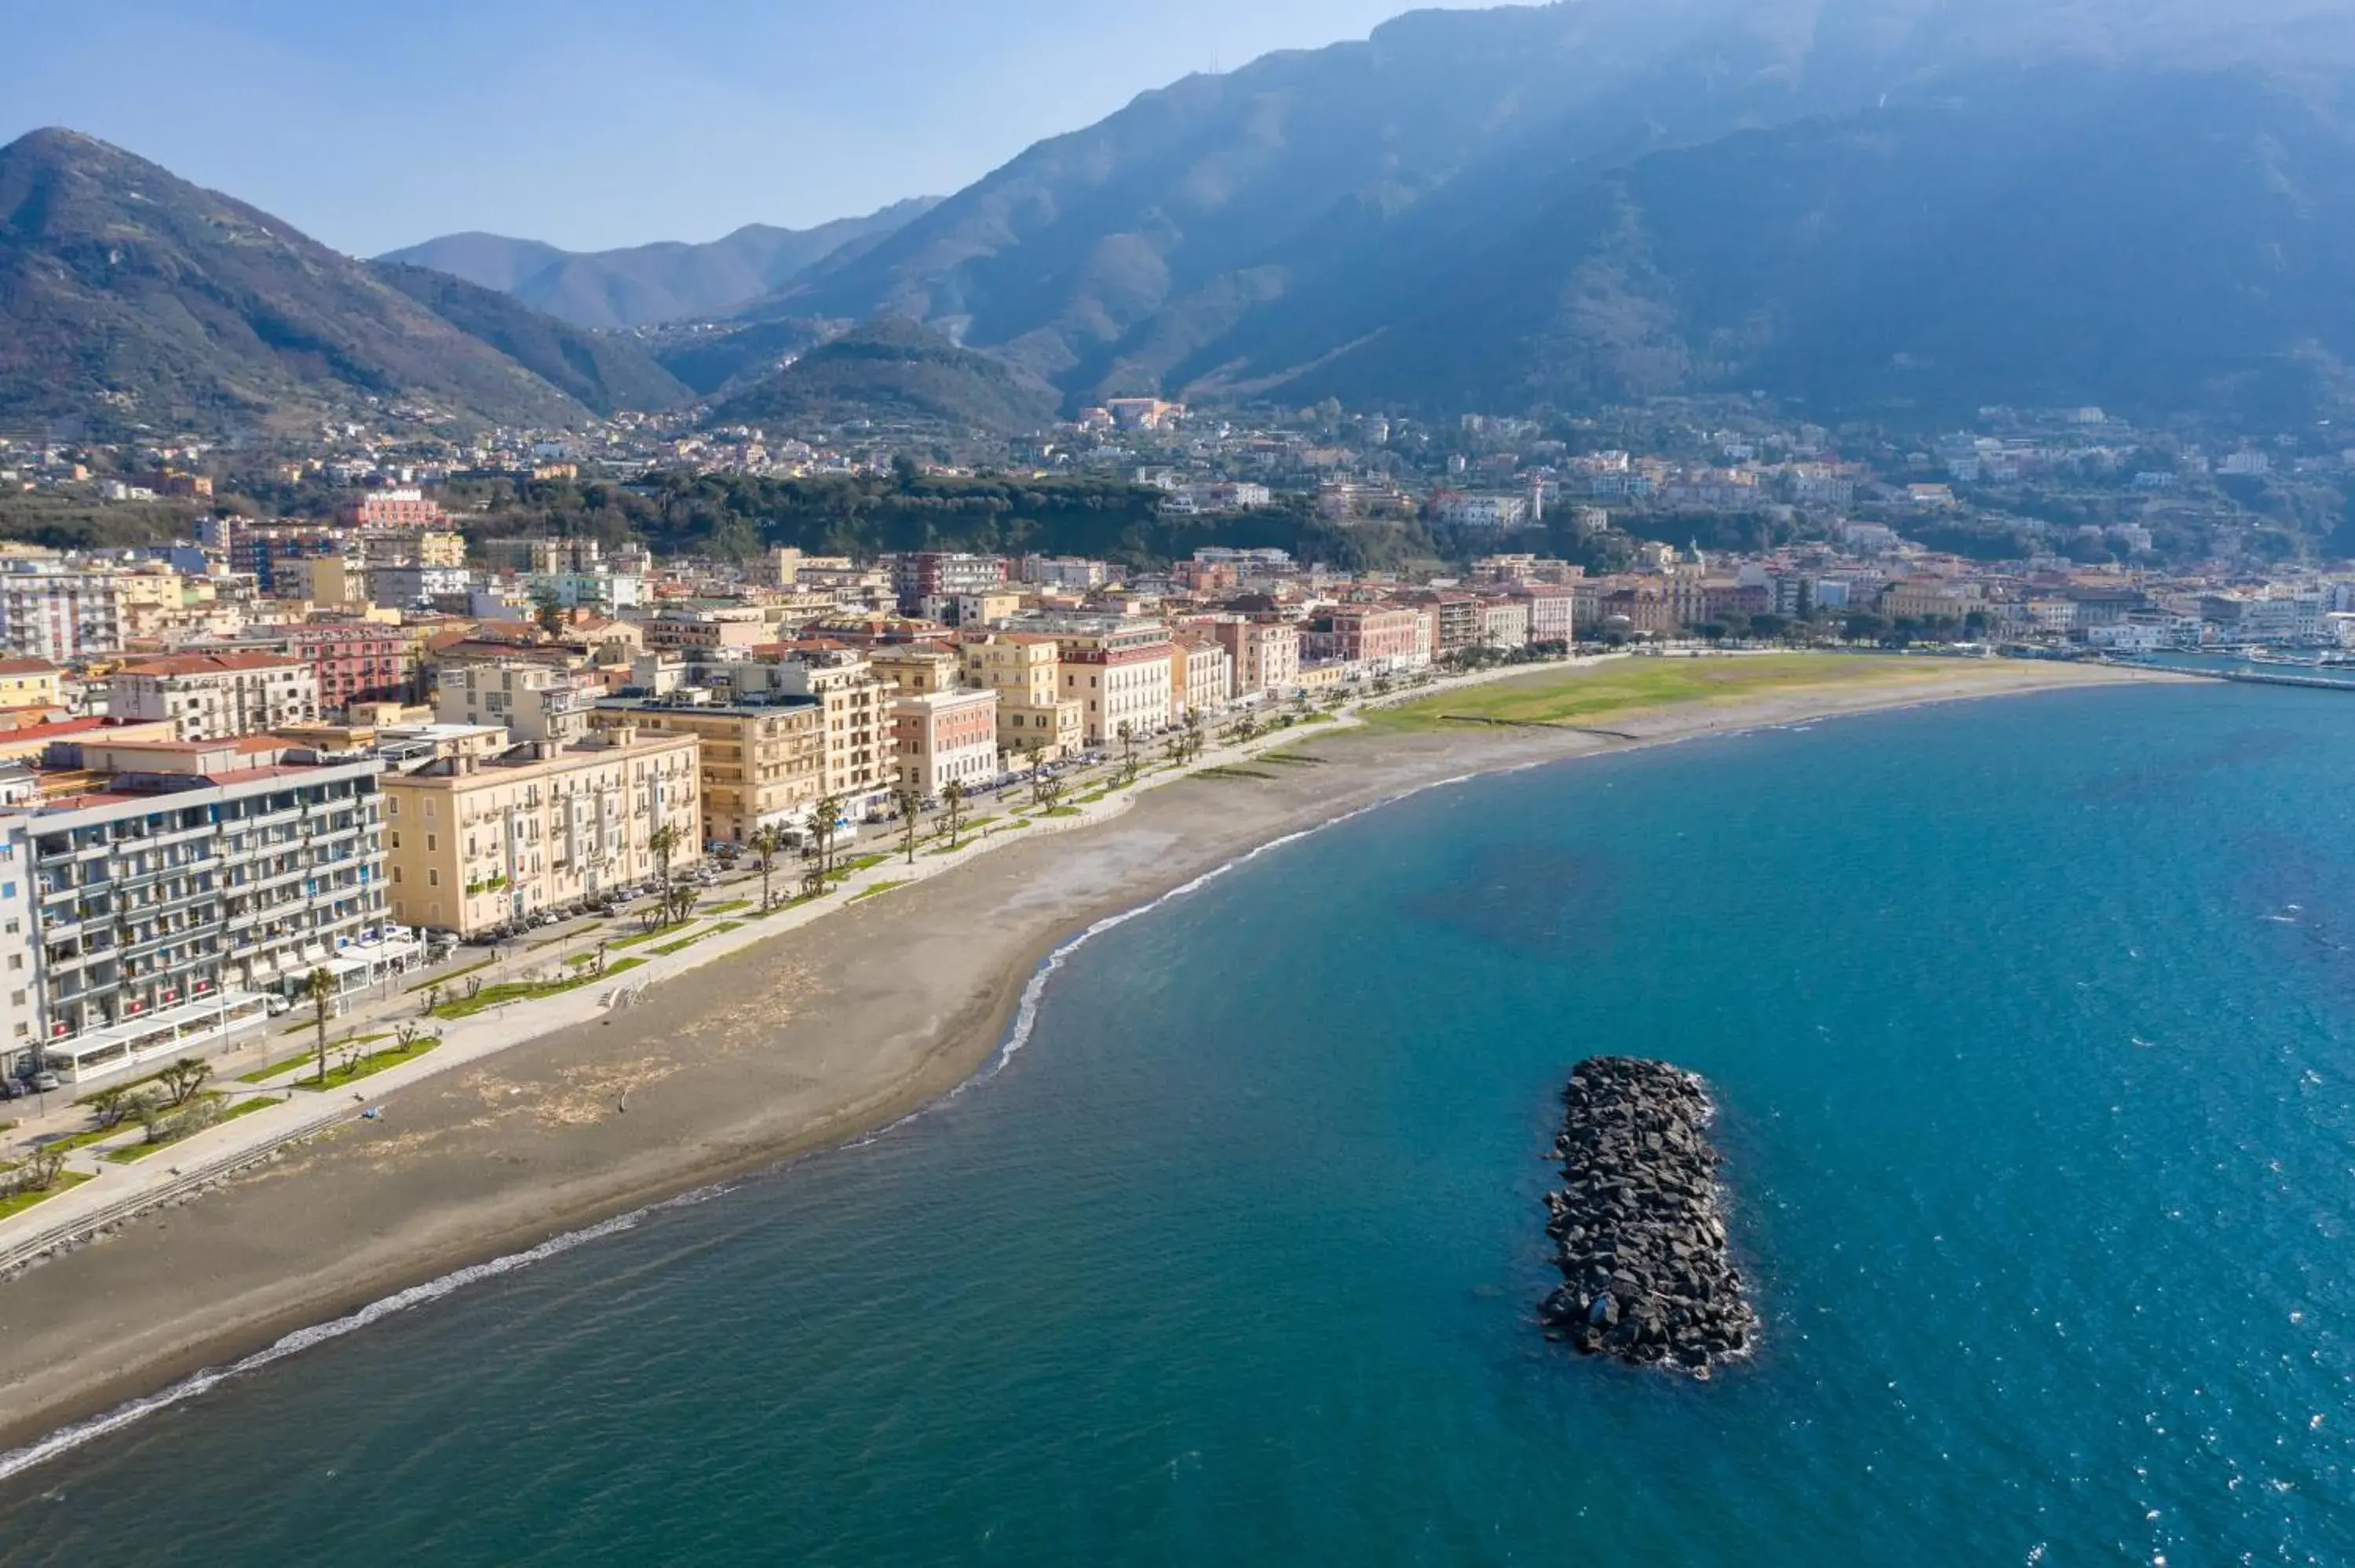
(1596, 694)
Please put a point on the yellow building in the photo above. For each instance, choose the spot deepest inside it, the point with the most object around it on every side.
(762, 763)
(324, 580)
(473, 842)
(1024, 671)
(27, 684)
(915, 669)
(859, 764)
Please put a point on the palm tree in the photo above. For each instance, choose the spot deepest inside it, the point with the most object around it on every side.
(766, 842)
(1127, 750)
(910, 802)
(1193, 734)
(1033, 752)
(824, 815)
(953, 807)
(320, 989)
(662, 843)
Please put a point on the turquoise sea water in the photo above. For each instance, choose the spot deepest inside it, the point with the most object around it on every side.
(2031, 1024)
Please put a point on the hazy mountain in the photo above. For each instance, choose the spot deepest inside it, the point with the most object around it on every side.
(127, 292)
(660, 282)
(605, 372)
(714, 361)
(896, 371)
(1238, 230)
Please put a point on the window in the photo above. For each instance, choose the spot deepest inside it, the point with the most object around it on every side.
(433, 843)
(432, 879)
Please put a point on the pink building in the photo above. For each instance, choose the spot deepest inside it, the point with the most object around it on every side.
(945, 736)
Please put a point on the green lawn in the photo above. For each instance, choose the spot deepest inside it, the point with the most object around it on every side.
(866, 893)
(660, 931)
(447, 976)
(1577, 697)
(66, 1182)
(309, 1057)
(1062, 812)
(497, 995)
(732, 904)
(370, 1066)
(136, 1151)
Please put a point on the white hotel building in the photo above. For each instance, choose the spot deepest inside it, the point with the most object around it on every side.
(200, 877)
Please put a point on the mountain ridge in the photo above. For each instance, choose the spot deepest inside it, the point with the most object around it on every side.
(666, 280)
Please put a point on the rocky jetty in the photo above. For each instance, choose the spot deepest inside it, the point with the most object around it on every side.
(1648, 1276)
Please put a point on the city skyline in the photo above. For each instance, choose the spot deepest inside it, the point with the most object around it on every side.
(609, 124)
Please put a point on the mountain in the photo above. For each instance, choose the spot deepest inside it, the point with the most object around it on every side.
(897, 372)
(131, 294)
(716, 361)
(660, 282)
(2158, 244)
(606, 373)
(1235, 233)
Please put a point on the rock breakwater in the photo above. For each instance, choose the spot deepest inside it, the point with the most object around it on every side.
(1648, 1272)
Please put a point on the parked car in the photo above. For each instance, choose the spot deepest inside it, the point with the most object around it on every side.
(275, 1004)
(45, 1082)
(14, 1088)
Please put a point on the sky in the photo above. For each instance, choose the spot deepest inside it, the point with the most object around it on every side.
(592, 123)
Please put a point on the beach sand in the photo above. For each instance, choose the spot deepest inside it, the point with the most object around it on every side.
(806, 1040)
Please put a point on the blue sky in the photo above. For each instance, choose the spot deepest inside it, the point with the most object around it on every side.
(600, 123)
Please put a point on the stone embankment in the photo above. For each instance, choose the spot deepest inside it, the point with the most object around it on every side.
(1648, 1274)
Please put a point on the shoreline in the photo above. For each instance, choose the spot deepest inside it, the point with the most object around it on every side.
(373, 1221)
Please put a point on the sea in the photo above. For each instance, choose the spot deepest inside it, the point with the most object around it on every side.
(2032, 1025)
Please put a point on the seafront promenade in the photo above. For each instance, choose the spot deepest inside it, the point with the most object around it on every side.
(271, 1112)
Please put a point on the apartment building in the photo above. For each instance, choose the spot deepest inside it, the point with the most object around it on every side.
(29, 683)
(764, 763)
(1266, 653)
(1201, 677)
(402, 508)
(473, 842)
(533, 700)
(913, 668)
(50, 610)
(212, 695)
(353, 661)
(1504, 624)
(860, 765)
(945, 736)
(1121, 673)
(1379, 637)
(920, 575)
(190, 880)
(1025, 671)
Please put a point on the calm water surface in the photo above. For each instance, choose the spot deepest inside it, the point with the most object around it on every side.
(2030, 1022)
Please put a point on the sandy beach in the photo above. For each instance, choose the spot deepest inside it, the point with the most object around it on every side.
(811, 1038)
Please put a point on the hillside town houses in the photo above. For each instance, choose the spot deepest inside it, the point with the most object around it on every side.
(288, 744)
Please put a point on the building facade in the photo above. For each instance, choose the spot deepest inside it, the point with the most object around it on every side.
(212, 695)
(473, 842)
(199, 877)
(943, 737)
(764, 763)
(50, 611)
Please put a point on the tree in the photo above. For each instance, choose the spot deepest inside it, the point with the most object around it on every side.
(766, 842)
(109, 1106)
(1034, 752)
(910, 802)
(1127, 752)
(182, 1078)
(548, 610)
(824, 816)
(662, 843)
(319, 988)
(1193, 734)
(953, 808)
(1046, 791)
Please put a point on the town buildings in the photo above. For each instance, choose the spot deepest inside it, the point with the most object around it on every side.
(1025, 670)
(946, 736)
(762, 763)
(49, 610)
(187, 879)
(210, 697)
(474, 842)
